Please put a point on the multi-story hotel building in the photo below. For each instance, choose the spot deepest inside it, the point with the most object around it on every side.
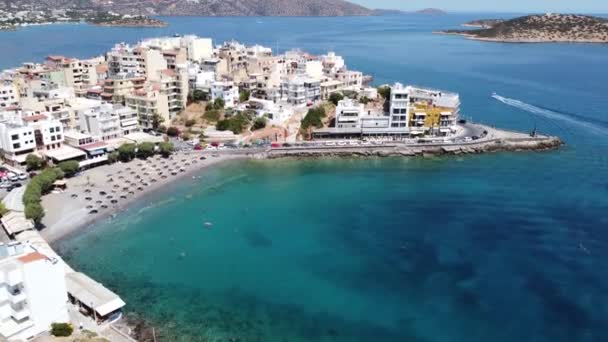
(33, 292)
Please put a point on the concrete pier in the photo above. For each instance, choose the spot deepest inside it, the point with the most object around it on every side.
(494, 140)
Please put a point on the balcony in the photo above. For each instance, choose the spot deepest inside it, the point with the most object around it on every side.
(20, 314)
(17, 297)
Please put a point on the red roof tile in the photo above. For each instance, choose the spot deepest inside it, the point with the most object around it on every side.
(32, 257)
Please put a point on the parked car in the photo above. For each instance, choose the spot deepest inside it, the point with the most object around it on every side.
(202, 158)
(12, 177)
(5, 185)
(22, 176)
(17, 185)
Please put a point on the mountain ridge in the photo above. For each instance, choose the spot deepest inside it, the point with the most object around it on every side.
(200, 7)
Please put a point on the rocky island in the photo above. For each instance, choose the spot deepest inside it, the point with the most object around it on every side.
(545, 28)
(483, 23)
(131, 21)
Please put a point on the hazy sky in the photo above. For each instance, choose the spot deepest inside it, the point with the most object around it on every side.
(520, 6)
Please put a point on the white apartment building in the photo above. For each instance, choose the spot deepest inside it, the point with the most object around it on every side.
(33, 292)
(332, 63)
(135, 61)
(16, 142)
(9, 95)
(300, 90)
(349, 113)
(227, 91)
(174, 84)
(198, 48)
(148, 102)
(399, 104)
(103, 123)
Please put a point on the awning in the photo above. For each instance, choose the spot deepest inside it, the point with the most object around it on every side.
(92, 294)
(65, 152)
(15, 222)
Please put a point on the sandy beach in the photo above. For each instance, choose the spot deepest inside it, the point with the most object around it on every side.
(101, 192)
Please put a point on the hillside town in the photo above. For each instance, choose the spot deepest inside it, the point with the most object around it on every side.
(83, 109)
(182, 92)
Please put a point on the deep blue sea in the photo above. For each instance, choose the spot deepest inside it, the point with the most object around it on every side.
(500, 247)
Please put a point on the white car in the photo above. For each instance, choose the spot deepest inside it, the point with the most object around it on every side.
(467, 139)
(341, 143)
(12, 177)
(22, 176)
(331, 143)
(354, 143)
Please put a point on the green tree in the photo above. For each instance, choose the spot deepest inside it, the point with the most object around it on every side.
(219, 103)
(259, 123)
(211, 115)
(198, 95)
(126, 152)
(172, 131)
(162, 129)
(113, 157)
(35, 212)
(314, 118)
(61, 329)
(145, 150)
(209, 106)
(335, 98)
(244, 95)
(69, 167)
(3, 210)
(166, 149)
(33, 162)
(385, 92)
(157, 120)
(190, 122)
(364, 100)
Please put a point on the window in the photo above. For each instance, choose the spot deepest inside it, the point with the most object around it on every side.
(53, 138)
(17, 145)
(403, 111)
(14, 136)
(52, 130)
(395, 111)
(58, 136)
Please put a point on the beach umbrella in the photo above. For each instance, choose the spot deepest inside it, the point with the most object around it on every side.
(123, 196)
(125, 188)
(110, 180)
(88, 198)
(89, 206)
(74, 195)
(140, 188)
(116, 186)
(98, 202)
(87, 191)
(109, 196)
(103, 193)
(131, 193)
(164, 177)
(104, 206)
(114, 201)
(94, 211)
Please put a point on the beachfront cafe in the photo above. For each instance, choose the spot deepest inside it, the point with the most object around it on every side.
(93, 299)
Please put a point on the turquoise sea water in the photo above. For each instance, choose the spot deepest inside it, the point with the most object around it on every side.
(502, 247)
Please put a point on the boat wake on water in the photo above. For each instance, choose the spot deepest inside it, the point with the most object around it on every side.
(546, 113)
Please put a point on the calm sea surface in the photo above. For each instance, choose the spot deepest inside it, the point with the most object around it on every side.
(504, 247)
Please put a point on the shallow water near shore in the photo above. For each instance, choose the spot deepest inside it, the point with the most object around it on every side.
(499, 247)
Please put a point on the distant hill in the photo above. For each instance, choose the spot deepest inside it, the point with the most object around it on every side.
(542, 28)
(201, 7)
(431, 11)
(399, 12)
